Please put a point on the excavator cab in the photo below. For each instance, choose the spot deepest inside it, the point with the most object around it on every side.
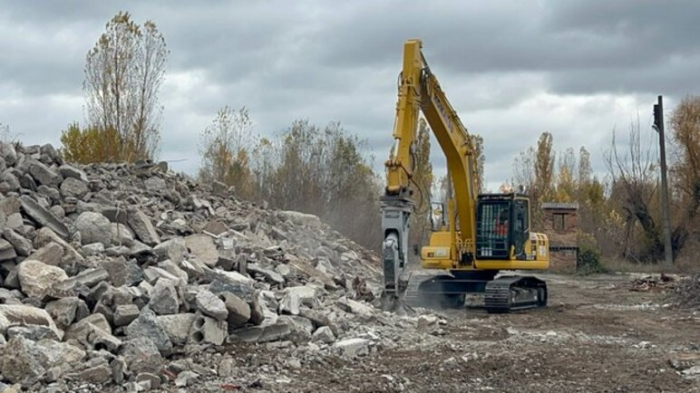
(502, 226)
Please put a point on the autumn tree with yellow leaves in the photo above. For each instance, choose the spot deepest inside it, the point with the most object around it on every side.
(123, 75)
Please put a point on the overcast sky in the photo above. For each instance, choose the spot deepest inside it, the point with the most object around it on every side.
(512, 69)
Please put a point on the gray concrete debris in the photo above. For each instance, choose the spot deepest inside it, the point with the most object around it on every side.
(21, 362)
(33, 332)
(147, 325)
(301, 328)
(13, 314)
(186, 378)
(43, 217)
(50, 254)
(7, 251)
(8, 153)
(262, 334)
(37, 278)
(290, 304)
(22, 246)
(87, 278)
(270, 276)
(44, 175)
(355, 307)
(238, 310)
(84, 244)
(100, 339)
(154, 273)
(125, 314)
(64, 311)
(123, 272)
(99, 374)
(155, 184)
(177, 326)
(94, 228)
(173, 249)
(80, 330)
(73, 187)
(203, 249)
(121, 234)
(164, 299)
(142, 355)
(211, 305)
(68, 171)
(148, 380)
(324, 334)
(207, 330)
(142, 227)
(352, 347)
(45, 236)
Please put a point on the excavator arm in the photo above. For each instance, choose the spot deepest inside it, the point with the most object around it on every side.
(419, 91)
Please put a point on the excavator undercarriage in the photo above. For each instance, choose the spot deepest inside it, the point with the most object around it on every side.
(501, 294)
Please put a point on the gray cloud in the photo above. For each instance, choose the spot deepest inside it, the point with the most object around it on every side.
(576, 69)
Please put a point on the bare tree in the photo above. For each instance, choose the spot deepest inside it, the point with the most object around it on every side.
(634, 174)
(123, 75)
(224, 147)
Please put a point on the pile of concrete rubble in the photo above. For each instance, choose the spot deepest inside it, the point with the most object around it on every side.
(127, 274)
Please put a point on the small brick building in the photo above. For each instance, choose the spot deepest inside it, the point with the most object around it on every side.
(560, 224)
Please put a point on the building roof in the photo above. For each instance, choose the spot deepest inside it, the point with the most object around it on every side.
(560, 205)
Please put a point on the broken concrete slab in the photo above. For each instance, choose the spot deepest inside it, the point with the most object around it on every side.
(13, 314)
(143, 228)
(22, 246)
(262, 334)
(147, 325)
(75, 188)
(203, 249)
(37, 278)
(238, 310)
(211, 305)
(177, 326)
(173, 249)
(43, 217)
(7, 251)
(94, 228)
(64, 311)
(44, 175)
(207, 330)
(352, 347)
(164, 299)
(123, 272)
(125, 314)
(355, 307)
(68, 171)
(142, 355)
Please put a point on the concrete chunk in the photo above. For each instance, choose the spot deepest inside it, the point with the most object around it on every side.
(94, 228)
(211, 305)
(22, 246)
(147, 325)
(43, 217)
(164, 299)
(37, 278)
(142, 227)
(125, 314)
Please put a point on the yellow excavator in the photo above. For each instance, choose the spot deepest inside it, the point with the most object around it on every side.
(476, 236)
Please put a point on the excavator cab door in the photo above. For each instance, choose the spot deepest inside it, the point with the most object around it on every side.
(521, 227)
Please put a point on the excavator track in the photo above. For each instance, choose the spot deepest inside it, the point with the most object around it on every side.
(511, 293)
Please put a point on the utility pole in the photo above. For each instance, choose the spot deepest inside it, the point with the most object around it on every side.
(659, 127)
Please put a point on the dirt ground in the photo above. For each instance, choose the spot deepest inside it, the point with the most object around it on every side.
(595, 336)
